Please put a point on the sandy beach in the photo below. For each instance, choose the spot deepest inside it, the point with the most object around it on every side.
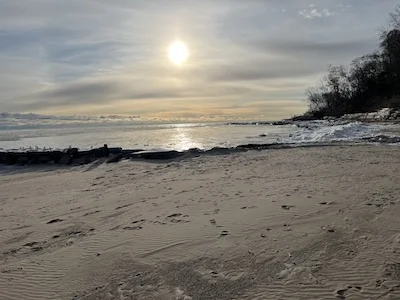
(303, 223)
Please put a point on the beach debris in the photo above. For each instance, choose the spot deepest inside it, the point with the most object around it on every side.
(323, 203)
(54, 221)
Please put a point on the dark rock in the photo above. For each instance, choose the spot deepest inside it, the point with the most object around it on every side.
(106, 151)
(65, 159)
(44, 159)
(56, 156)
(22, 160)
(115, 158)
(3, 158)
(11, 159)
(219, 151)
(86, 159)
(115, 150)
(71, 151)
(195, 151)
(162, 155)
(305, 118)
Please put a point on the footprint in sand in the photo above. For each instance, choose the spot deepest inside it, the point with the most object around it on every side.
(91, 213)
(343, 293)
(54, 221)
(177, 218)
(35, 246)
(224, 233)
(214, 212)
(326, 202)
(138, 227)
(248, 207)
(287, 207)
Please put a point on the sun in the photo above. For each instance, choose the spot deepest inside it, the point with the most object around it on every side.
(178, 52)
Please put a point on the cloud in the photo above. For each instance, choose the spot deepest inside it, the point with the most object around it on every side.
(322, 52)
(262, 70)
(31, 120)
(313, 13)
(247, 58)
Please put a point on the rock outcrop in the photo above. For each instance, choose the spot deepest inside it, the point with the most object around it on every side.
(68, 156)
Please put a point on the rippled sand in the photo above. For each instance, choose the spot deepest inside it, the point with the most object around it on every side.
(305, 223)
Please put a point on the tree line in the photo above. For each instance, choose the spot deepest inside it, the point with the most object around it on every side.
(370, 82)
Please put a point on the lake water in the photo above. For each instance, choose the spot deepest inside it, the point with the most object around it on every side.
(182, 136)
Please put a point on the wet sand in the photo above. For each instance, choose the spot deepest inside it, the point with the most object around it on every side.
(305, 223)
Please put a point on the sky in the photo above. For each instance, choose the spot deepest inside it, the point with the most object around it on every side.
(248, 59)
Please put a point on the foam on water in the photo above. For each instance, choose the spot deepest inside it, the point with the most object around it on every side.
(323, 132)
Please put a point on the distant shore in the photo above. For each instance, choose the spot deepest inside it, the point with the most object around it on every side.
(382, 115)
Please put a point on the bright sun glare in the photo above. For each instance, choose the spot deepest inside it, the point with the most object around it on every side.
(178, 52)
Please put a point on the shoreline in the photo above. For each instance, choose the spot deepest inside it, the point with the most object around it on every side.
(73, 156)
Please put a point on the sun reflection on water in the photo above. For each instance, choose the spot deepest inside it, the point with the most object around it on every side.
(183, 139)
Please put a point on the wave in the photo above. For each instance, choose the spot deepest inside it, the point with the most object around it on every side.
(337, 132)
